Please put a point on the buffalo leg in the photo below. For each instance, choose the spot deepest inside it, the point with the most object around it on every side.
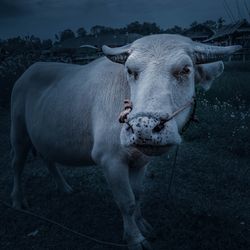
(136, 180)
(61, 183)
(117, 175)
(20, 151)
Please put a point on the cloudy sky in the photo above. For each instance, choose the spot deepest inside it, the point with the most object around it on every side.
(44, 18)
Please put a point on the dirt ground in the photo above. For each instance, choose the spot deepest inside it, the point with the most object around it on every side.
(209, 205)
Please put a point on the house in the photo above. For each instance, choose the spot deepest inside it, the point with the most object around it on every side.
(199, 33)
(235, 33)
(83, 55)
(99, 40)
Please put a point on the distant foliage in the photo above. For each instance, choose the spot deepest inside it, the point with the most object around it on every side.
(175, 30)
(66, 34)
(17, 54)
(213, 25)
(47, 44)
(81, 32)
(221, 21)
(143, 28)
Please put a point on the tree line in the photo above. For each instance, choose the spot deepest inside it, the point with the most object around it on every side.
(18, 53)
(145, 28)
(18, 44)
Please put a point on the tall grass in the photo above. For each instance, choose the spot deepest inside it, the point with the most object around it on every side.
(232, 86)
(224, 112)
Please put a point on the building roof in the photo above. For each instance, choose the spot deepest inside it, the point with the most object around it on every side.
(229, 29)
(198, 35)
(98, 41)
(199, 31)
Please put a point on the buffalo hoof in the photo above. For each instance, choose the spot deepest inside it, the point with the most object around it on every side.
(19, 203)
(143, 245)
(66, 189)
(146, 229)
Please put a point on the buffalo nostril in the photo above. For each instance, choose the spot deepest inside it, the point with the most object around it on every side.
(160, 125)
(129, 127)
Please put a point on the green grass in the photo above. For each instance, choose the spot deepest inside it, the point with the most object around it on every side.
(209, 205)
(232, 86)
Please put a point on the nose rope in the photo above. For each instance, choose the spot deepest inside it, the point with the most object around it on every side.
(170, 117)
(192, 118)
(128, 108)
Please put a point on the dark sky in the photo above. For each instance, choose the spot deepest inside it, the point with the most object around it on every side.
(44, 18)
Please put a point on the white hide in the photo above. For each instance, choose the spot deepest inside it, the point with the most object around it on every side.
(69, 115)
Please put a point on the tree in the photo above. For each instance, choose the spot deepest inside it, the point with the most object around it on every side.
(66, 34)
(122, 30)
(175, 30)
(46, 44)
(193, 24)
(210, 24)
(220, 22)
(134, 27)
(81, 32)
(150, 28)
(145, 28)
(199, 27)
(96, 30)
(107, 30)
(103, 30)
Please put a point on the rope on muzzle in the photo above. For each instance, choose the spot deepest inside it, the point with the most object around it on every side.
(127, 109)
(123, 117)
(167, 118)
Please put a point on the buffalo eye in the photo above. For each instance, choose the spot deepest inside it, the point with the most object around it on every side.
(184, 72)
(133, 74)
(130, 72)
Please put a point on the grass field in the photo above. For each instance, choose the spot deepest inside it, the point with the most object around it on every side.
(209, 205)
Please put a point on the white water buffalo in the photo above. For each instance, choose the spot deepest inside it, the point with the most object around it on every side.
(69, 114)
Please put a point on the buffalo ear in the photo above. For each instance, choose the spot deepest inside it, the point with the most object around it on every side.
(205, 74)
(121, 58)
(117, 55)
